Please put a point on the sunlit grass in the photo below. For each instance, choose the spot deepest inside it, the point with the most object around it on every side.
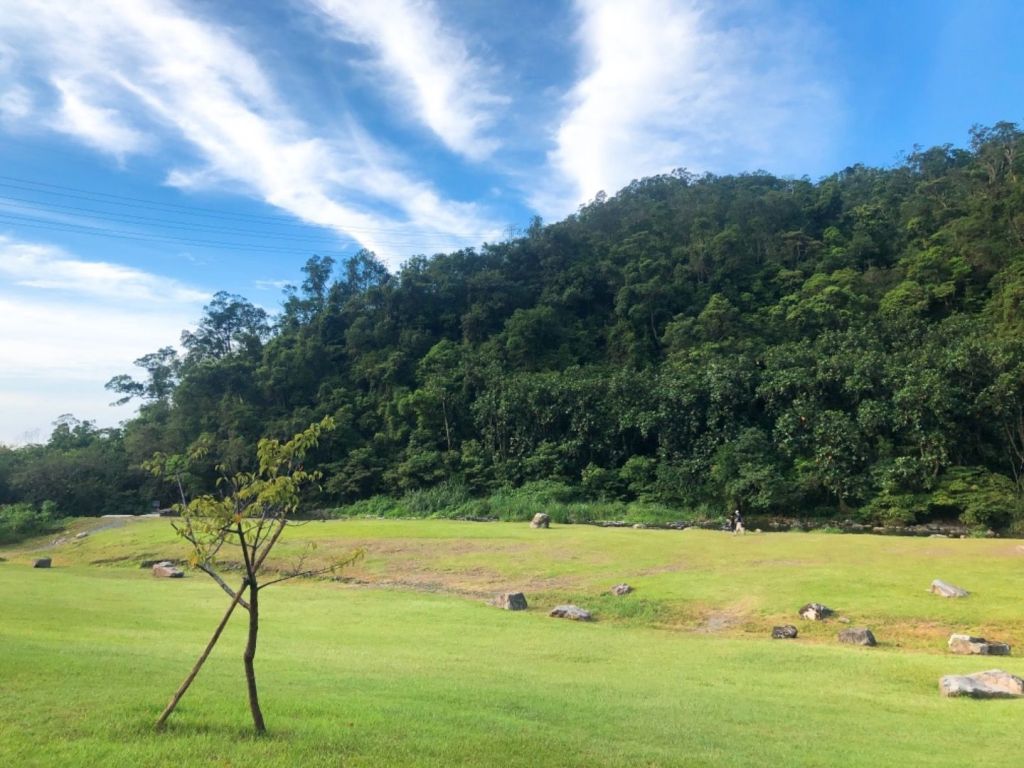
(427, 674)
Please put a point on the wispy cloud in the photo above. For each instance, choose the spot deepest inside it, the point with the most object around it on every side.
(427, 65)
(157, 65)
(680, 84)
(275, 285)
(40, 266)
(95, 125)
(70, 324)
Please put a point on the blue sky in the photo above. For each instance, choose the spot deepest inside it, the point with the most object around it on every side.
(156, 151)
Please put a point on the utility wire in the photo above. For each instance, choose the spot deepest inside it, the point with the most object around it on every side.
(57, 190)
(82, 229)
(78, 229)
(131, 219)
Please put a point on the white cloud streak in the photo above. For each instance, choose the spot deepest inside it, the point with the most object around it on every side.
(681, 84)
(69, 325)
(33, 265)
(158, 66)
(97, 126)
(427, 66)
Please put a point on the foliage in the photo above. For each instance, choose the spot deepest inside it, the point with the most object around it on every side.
(21, 521)
(694, 342)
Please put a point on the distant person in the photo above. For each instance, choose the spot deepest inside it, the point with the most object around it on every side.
(736, 522)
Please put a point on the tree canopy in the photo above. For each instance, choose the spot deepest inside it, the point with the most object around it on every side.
(852, 345)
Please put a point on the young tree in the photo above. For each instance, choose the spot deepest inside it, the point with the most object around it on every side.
(251, 513)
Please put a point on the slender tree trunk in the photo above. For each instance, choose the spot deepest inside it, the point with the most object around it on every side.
(162, 720)
(250, 656)
(447, 431)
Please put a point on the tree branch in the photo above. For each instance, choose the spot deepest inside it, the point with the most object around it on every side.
(316, 571)
(223, 585)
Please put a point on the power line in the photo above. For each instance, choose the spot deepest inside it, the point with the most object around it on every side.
(82, 229)
(57, 190)
(78, 229)
(130, 219)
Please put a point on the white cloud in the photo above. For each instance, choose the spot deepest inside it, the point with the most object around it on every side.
(275, 285)
(679, 84)
(15, 104)
(155, 64)
(47, 268)
(97, 126)
(70, 325)
(430, 68)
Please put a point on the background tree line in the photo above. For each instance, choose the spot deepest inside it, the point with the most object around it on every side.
(849, 347)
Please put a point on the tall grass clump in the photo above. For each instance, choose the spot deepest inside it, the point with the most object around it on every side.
(563, 503)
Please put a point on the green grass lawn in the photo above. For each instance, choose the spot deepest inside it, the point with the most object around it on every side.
(406, 664)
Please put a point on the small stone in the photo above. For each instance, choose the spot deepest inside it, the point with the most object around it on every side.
(993, 684)
(945, 589)
(843, 620)
(573, 612)
(968, 645)
(857, 636)
(621, 589)
(785, 632)
(816, 612)
(42, 562)
(541, 520)
(167, 570)
(510, 601)
(81, 535)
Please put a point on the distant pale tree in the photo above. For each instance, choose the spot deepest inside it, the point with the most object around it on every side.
(250, 515)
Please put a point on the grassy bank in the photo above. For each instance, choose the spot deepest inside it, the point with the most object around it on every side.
(406, 665)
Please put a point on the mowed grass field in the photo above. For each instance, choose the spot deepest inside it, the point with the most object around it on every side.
(403, 663)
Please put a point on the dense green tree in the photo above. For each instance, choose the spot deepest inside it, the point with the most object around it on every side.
(849, 345)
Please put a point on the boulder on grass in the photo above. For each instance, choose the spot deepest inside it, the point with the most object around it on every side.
(968, 645)
(42, 562)
(945, 589)
(541, 520)
(621, 589)
(816, 612)
(785, 632)
(167, 570)
(573, 612)
(993, 684)
(510, 601)
(857, 636)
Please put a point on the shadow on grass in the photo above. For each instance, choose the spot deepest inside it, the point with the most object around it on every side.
(186, 726)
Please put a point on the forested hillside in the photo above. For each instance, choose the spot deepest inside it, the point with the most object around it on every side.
(853, 347)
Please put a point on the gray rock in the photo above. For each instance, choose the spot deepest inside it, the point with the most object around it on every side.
(540, 520)
(621, 589)
(785, 632)
(967, 645)
(573, 612)
(42, 562)
(510, 601)
(993, 684)
(945, 589)
(81, 535)
(857, 636)
(816, 612)
(167, 570)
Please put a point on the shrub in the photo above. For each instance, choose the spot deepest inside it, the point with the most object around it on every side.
(20, 521)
